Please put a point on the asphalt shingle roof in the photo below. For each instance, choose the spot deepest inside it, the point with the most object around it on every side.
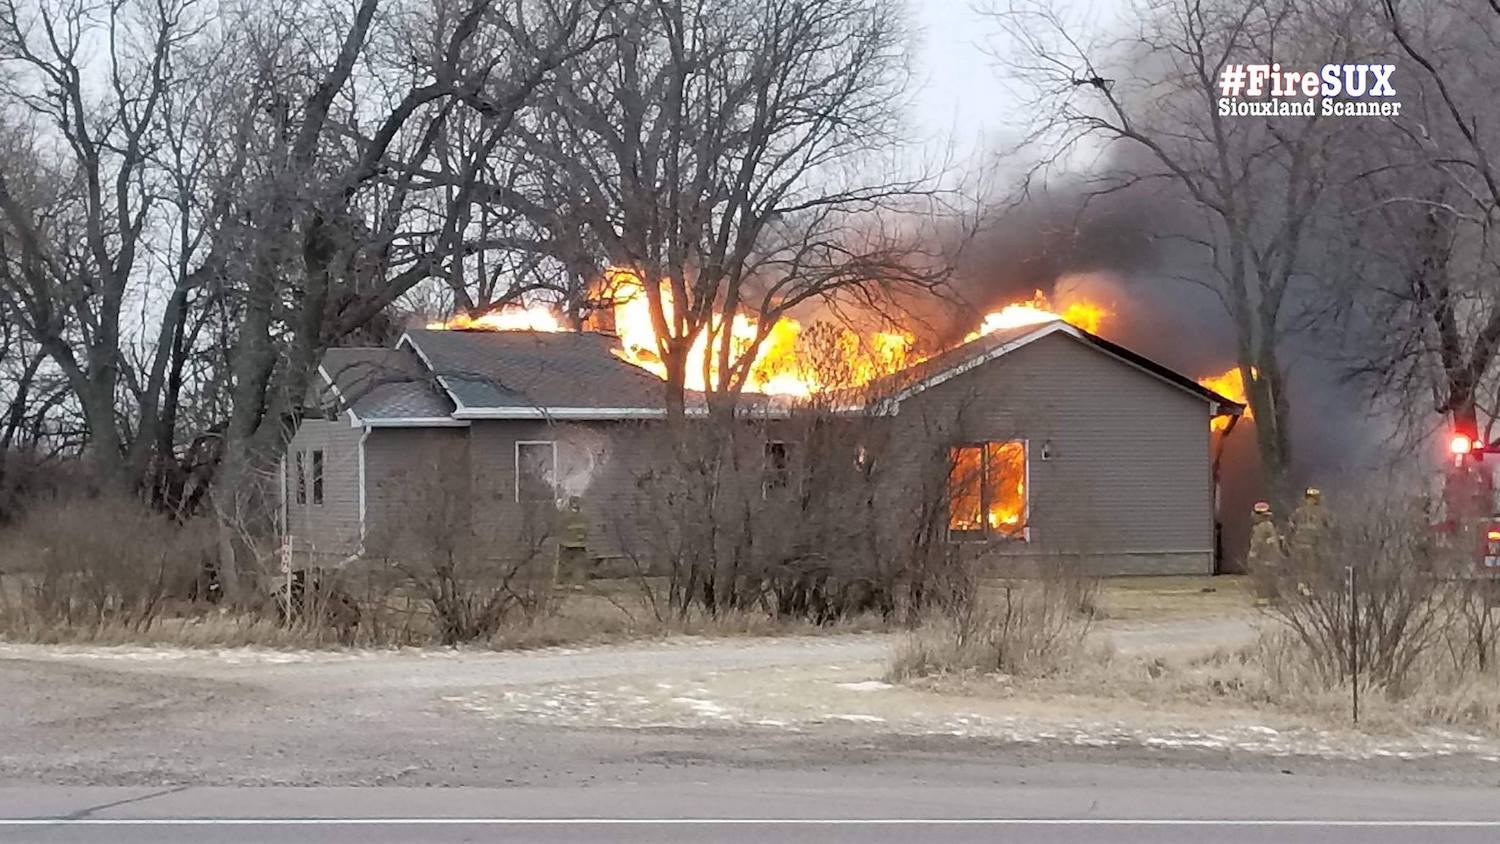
(579, 371)
(537, 369)
(385, 384)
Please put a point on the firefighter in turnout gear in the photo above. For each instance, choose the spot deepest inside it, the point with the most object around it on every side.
(1308, 527)
(1266, 557)
(572, 545)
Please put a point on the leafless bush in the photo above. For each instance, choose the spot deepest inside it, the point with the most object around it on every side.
(319, 599)
(1023, 627)
(92, 562)
(1472, 635)
(472, 573)
(817, 517)
(1405, 589)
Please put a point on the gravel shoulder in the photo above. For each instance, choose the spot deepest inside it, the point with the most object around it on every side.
(654, 712)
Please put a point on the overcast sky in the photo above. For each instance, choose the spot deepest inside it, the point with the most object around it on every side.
(959, 90)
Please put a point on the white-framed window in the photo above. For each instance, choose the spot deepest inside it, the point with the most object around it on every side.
(536, 470)
(988, 491)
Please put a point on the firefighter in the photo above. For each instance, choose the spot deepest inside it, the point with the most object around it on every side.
(1309, 525)
(1266, 554)
(573, 543)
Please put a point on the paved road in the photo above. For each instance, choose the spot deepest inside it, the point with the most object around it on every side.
(1047, 803)
(734, 832)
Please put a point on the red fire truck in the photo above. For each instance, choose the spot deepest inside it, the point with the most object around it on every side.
(1469, 501)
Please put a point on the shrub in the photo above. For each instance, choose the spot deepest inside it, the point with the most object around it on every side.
(1021, 626)
(96, 561)
(1408, 580)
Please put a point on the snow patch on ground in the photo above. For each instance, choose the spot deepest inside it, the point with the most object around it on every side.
(801, 700)
(706, 708)
(866, 686)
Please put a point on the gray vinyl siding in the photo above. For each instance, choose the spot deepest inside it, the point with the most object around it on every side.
(410, 472)
(330, 529)
(411, 476)
(1127, 486)
(1126, 489)
(598, 463)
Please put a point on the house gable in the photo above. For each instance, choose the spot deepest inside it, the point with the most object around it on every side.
(980, 352)
(1117, 459)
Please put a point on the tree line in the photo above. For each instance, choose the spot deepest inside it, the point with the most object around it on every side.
(198, 198)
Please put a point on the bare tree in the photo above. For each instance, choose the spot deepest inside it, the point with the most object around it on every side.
(1430, 197)
(77, 196)
(1258, 188)
(338, 218)
(732, 155)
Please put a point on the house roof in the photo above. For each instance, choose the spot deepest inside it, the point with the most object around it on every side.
(960, 359)
(537, 374)
(384, 385)
(437, 377)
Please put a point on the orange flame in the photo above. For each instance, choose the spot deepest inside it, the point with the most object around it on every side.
(506, 318)
(1231, 385)
(774, 369)
(789, 361)
(987, 488)
(1038, 309)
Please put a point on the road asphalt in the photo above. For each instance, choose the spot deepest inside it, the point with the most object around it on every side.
(892, 801)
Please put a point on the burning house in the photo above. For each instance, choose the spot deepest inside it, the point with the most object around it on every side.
(1036, 440)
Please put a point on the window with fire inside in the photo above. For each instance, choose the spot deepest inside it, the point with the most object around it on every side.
(987, 491)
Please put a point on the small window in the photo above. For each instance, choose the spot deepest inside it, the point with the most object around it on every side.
(778, 467)
(317, 476)
(536, 471)
(987, 496)
(301, 477)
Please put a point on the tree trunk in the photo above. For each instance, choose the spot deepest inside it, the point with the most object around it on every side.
(1265, 394)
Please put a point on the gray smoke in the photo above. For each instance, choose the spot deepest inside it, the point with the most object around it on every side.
(1124, 250)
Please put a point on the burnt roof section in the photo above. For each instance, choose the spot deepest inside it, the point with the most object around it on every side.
(385, 384)
(961, 358)
(536, 370)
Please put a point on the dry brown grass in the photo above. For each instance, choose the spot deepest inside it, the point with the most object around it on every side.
(1271, 678)
(1276, 672)
(206, 629)
(605, 611)
(1174, 598)
(1030, 627)
(598, 613)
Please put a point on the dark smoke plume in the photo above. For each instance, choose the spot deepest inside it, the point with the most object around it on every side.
(1125, 251)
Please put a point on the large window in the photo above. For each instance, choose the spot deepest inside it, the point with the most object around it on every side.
(536, 471)
(987, 490)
